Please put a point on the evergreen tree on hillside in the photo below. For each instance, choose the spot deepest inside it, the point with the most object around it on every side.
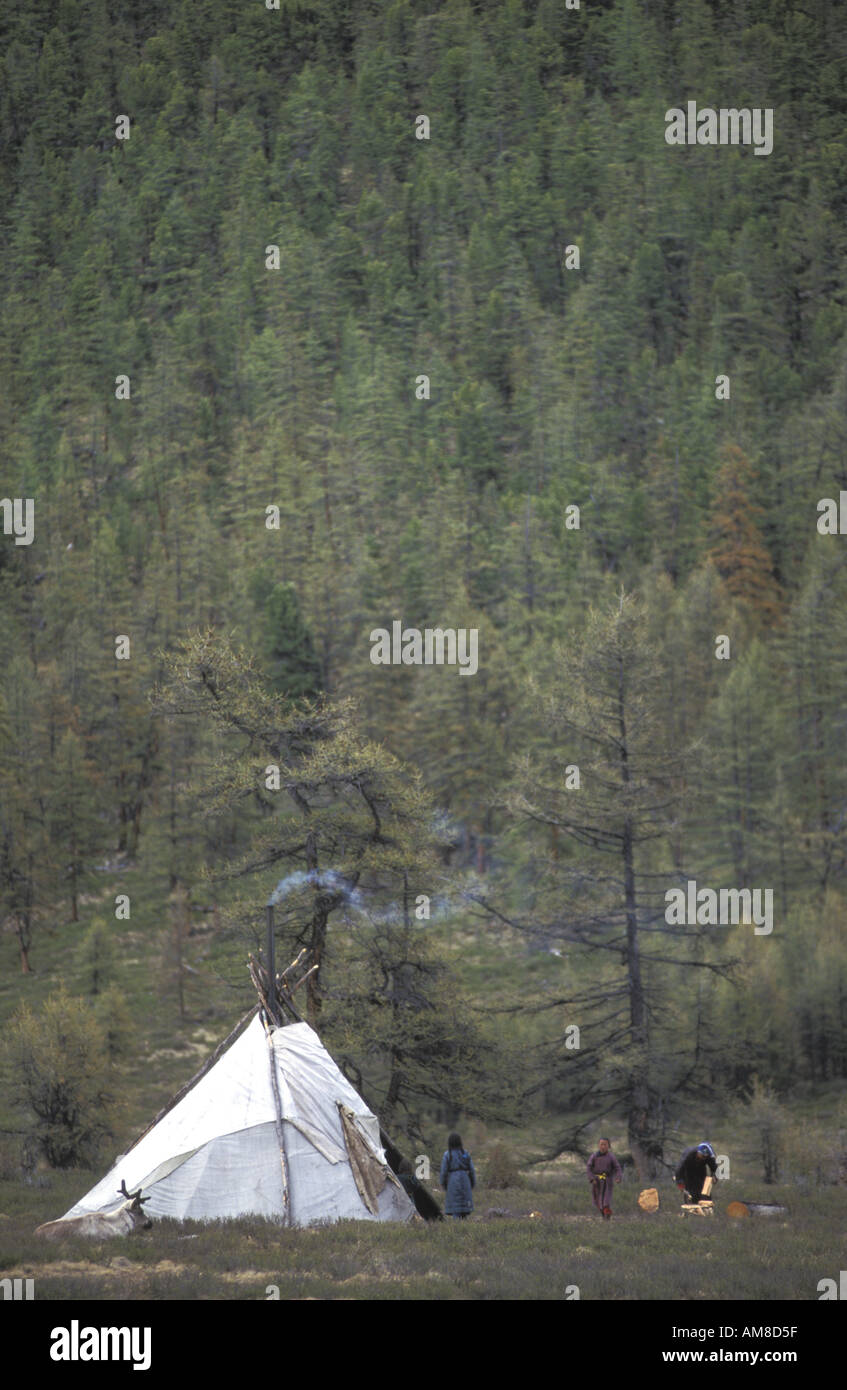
(814, 650)
(289, 652)
(26, 869)
(76, 831)
(549, 385)
(737, 550)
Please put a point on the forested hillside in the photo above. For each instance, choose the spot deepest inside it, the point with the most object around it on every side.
(242, 274)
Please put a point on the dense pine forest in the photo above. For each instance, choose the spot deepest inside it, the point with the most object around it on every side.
(320, 318)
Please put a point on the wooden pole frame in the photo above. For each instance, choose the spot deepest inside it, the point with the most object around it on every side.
(271, 955)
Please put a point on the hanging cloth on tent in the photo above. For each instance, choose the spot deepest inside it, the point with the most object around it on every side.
(369, 1174)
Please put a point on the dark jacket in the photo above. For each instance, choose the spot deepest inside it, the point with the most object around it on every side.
(693, 1168)
(457, 1179)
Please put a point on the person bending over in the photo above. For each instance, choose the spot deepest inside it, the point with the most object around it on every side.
(697, 1171)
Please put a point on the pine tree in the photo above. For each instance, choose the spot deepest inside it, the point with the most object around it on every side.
(25, 866)
(76, 832)
(737, 550)
(289, 651)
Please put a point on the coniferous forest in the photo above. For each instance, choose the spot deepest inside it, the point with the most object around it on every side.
(334, 323)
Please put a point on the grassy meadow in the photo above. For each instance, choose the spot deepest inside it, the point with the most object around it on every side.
(547, 1242)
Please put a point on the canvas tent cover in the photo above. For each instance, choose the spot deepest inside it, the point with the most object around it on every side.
(216, 1154)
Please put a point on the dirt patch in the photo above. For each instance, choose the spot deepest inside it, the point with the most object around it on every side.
(247, 1276)
(120, 1267)
(196, 1047)
(99, 1271)
(374, 1279)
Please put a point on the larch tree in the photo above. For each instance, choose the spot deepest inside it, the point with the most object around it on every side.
(605, 779)
(354, 835)
(737, 548)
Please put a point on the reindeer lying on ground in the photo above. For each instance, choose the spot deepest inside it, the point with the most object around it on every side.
(100, 1225)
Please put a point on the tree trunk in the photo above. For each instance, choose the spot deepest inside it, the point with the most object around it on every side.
(395, 1084)
(172, 821)
(74, 880)
(23, 945)
(640, 1119)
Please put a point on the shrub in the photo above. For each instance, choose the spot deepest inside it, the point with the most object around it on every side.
(768, 1121)
(10, 1159)
(501, 1168)
(63, 1079)
(112, 1014)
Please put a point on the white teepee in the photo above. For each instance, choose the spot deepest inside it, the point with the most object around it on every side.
(272, 1129)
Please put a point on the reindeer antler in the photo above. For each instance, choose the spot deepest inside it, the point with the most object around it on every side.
(132, 1196)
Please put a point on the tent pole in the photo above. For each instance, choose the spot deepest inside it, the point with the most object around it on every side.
(280, 1131)
(271, 961)
(274, 1020)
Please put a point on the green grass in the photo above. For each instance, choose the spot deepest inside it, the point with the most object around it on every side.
(636, 1256)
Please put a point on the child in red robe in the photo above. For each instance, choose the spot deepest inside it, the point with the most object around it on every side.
(603, 1171)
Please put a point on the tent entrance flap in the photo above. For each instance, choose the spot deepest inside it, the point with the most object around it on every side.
(368, 1173)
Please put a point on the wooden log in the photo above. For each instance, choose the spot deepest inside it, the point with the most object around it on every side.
(739, 1210)
(648, 1200)
(302, 980)
(294, 964)
(697, 1209)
